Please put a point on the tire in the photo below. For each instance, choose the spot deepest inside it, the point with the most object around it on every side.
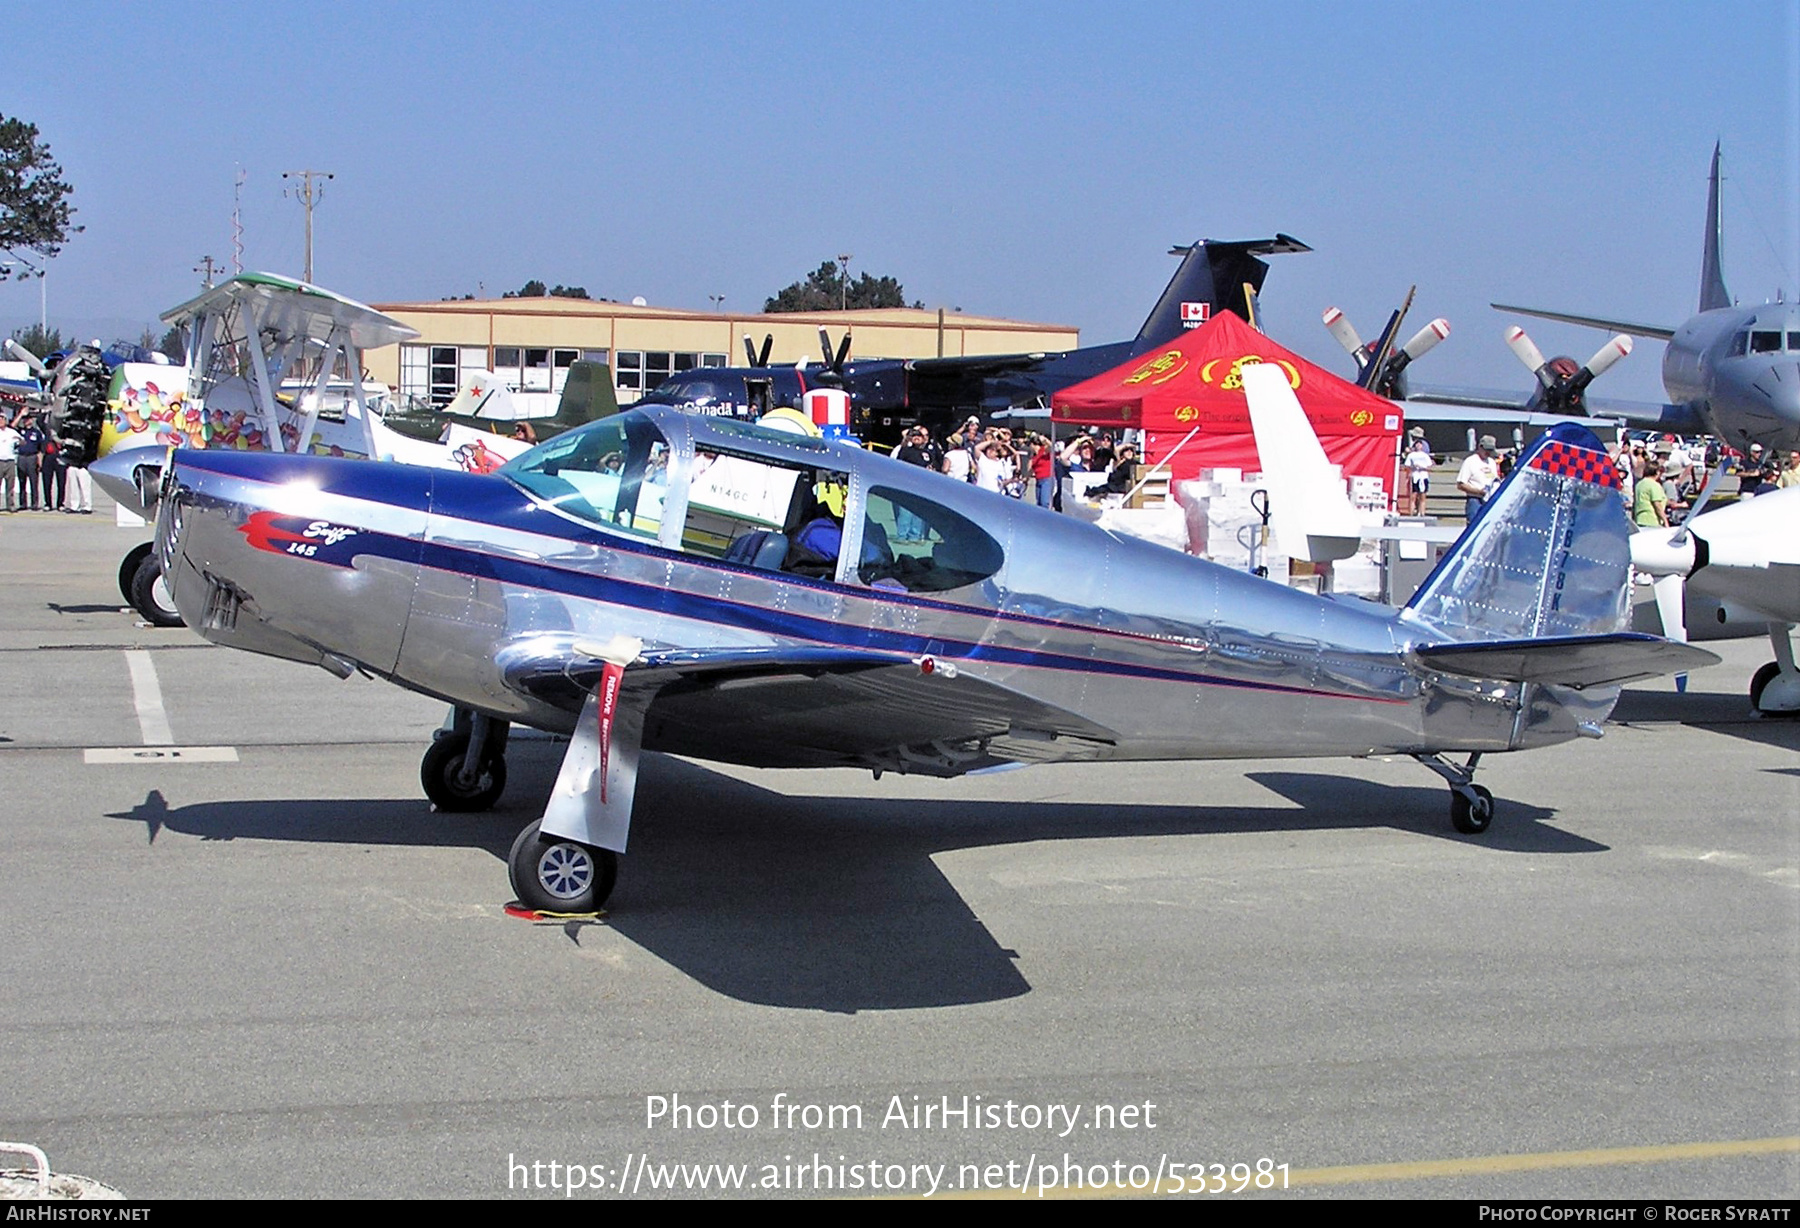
(128, 568)
(552, 875)
(1759, 683)
(1471, 818)
(150, 596)
(441, 769)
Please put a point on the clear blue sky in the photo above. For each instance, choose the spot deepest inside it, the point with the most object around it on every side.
(1028, 160)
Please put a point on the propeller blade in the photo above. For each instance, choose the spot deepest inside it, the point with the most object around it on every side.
(1607, 355)
(762, 360)
(1529, 354)
(843, 352)
(750, 350)
(1339, 326)
(1426, 339)
(1706, 493)
(825, 344)
(1671, 597)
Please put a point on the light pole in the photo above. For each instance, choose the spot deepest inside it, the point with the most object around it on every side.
(309, 197)
(844, 282)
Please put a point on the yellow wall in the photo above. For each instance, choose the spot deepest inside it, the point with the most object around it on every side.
(577, 324)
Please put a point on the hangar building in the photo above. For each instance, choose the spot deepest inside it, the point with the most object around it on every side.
(530, 342)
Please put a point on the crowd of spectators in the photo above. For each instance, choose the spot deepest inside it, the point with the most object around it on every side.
(32, 473)
(1025, 466)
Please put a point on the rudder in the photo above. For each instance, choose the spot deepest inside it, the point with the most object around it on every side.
(1548, 555)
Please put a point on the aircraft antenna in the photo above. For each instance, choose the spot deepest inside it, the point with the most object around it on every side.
(237, 222)
(309, 197)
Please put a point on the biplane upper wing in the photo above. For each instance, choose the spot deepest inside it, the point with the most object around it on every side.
(296, 308)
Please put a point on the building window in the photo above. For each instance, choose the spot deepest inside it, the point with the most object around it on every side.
(434, 372)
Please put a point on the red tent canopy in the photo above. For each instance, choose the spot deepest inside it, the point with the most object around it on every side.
(1195, 382)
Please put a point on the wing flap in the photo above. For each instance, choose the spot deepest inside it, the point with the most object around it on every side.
(1573, 661)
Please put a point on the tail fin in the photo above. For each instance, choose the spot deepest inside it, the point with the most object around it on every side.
(1548, 555)
(1212, 277)
(588, 393)
(1313, 517)
(1712, 276)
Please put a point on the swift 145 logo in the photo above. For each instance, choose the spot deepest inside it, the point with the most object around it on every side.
(295, 535)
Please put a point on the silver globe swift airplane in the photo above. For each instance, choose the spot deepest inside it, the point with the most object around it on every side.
(658, 580)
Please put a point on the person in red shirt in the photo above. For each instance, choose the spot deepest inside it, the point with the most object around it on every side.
(1043, 471)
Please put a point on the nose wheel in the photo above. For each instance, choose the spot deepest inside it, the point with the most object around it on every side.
(550, 874)
(464, 769)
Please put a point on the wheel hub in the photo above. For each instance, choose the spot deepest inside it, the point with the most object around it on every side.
(565, 870)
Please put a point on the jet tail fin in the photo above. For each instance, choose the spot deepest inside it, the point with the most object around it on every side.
(1712, 275)
(1214, 275)
(1547, 556)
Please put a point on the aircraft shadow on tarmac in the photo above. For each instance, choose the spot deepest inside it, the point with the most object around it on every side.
(830, 903)
(1714, 711)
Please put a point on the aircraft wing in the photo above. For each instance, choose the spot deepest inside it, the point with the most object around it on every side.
(296, 308)
(1655, 332)
(817, 707)
(1484, 404)
(1573, 661)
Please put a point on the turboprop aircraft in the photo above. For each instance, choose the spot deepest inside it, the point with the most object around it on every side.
(698, 585)
(1748, 556)
(1729, 371)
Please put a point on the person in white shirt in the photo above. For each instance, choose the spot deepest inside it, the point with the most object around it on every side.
(1477, 477)
(1419, 462)
(9, 464)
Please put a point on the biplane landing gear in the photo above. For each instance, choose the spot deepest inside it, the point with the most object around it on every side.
(464, 768)
(141, 580)
(551, 874)
(1471, 806)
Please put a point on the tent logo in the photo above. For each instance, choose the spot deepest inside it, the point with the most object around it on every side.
(1234, 376)
(1159, 370)
(1361, 417)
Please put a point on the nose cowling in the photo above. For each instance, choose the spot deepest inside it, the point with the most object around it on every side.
(307, 558)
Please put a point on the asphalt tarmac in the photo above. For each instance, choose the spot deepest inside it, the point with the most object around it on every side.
(263, 967)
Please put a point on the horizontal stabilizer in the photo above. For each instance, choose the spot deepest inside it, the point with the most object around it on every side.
(1572, 661)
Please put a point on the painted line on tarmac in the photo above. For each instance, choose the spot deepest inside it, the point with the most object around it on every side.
(1366, 1174)
(160, 754)
(153, 720)
(1600, 1157)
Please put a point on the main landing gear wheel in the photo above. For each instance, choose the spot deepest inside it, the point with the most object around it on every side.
(550, 874)
(1759, 685)
(150, 596)
(1471, 809)
(128, 568)
(441, 772)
